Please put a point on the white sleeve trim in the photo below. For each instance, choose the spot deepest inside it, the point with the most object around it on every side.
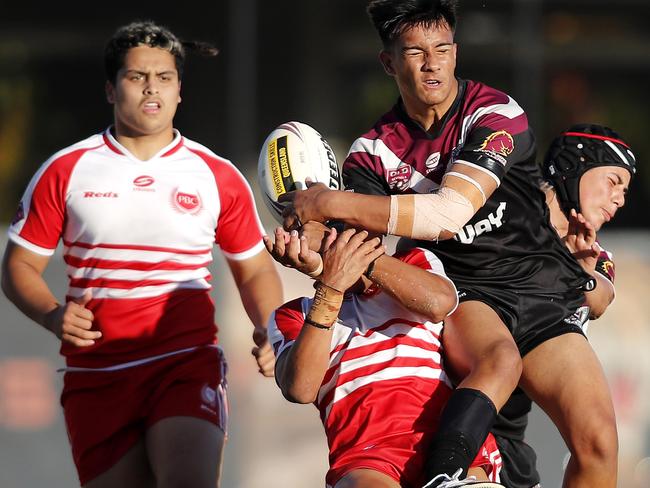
(22, 242)
(480, 168)
(240, 256)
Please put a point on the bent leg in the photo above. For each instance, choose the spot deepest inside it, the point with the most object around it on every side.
(131, 471)
(366, 478)
(185, 452)
(478, 346)
(564, 377)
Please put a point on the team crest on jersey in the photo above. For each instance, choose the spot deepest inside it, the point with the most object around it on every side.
(187, 201)
(399, 177)
(606, 267)
(499, 145)
(432, 162)
(19, 215)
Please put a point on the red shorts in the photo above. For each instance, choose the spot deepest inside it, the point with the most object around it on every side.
(108, 412)
(402, 458)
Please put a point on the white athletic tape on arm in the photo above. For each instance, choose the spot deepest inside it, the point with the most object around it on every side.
(426, 216)
(471, 181)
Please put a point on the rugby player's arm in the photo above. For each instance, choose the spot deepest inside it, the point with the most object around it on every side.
(260, 290)
(418, 290)
(300, 369)
(600, 297)
(24, 286)
(372, 212)
(23, 283)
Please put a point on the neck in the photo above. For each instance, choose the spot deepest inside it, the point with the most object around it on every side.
(143, 147)
(429, 116)
(558, 220)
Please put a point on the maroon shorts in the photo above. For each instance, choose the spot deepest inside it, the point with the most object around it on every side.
(108, 412)
(401, 457)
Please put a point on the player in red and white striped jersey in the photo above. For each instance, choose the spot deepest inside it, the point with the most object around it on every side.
(370, 351)
(138, 209)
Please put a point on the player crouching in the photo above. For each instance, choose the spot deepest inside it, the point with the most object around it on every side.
(367, 353)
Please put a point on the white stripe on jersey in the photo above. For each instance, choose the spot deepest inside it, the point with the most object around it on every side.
(376, 147)
(509, 110)
(385, 374)
(139, 292)
(143, 256)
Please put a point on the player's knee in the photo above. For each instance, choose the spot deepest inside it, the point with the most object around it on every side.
(504, 362)
(596, 444)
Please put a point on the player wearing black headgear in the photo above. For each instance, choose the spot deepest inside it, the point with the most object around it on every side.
(587, 170)
(579, 149)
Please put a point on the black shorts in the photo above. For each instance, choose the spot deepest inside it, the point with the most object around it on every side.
(519, 459)
(531, 319)
(519, 464)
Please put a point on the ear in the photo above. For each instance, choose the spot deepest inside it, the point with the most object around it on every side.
(180, 85)
(110, 92)
(386, 60)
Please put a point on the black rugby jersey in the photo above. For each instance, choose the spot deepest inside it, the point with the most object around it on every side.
(509, 242)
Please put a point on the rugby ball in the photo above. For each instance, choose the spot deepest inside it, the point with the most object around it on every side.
(292, 153)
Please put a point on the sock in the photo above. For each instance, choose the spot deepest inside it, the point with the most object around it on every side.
(465, 423)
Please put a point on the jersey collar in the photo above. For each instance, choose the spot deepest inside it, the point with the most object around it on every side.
(168, 150)
(404, 117)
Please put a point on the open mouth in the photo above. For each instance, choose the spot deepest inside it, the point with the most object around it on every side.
(151, 107)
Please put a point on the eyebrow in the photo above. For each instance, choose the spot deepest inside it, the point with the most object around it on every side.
(442, 44)
(140, 72)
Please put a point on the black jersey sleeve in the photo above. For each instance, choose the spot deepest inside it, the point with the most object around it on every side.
(605, 265)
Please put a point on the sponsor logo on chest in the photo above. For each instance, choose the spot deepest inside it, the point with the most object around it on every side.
(493, 221)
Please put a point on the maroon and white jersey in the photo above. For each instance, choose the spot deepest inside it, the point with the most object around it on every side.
(509, 241)
(381, 355)
(139, 235)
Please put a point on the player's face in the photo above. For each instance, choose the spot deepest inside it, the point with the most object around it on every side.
(146, 93)
(423, 62)
(602, 193)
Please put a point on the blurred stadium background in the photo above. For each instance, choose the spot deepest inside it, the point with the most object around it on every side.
(565, 61)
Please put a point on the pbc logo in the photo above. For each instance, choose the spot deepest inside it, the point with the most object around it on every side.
(186, 201)
(399, 177)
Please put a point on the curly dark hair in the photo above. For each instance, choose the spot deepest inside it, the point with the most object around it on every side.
(148, 33)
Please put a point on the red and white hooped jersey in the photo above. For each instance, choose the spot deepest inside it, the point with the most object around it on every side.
(139, 235)
(384, 376)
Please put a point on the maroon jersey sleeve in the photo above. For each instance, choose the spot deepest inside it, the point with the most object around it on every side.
(285, 325)
(363, 173)
(497, 133)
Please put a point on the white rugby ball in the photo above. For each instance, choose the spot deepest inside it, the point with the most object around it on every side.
(292, 153)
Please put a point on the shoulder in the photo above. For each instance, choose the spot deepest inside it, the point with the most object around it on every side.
(386, 137)
(481, 100)
(224, 171)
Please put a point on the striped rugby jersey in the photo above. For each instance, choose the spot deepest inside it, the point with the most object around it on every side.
(509, 242)
(381, 355)
(139, 235)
